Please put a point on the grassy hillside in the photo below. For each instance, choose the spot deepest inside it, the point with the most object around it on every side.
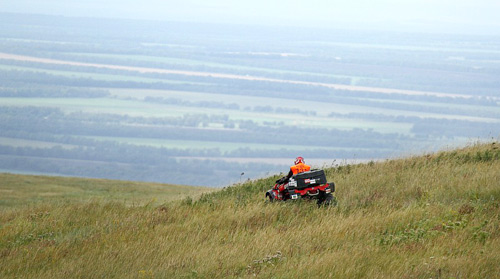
(28, 190)
(432, 216)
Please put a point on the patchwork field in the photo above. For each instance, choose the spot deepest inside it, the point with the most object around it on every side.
(228, 76)
(91, 103)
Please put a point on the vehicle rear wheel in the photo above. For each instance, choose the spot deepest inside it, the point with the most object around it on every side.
(327, 200)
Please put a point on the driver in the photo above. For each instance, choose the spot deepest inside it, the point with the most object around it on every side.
(298, 167)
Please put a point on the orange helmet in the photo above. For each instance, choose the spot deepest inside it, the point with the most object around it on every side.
(299, 160)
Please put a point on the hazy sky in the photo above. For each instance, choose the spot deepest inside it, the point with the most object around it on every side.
(454, 14)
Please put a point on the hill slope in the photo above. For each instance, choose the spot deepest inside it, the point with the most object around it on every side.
(17, 190)
(429, 216)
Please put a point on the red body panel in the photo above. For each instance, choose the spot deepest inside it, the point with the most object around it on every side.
(312, 189)
(282, 194)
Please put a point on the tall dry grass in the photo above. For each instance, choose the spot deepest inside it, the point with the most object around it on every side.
(432, 216)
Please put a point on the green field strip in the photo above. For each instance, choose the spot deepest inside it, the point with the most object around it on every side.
(470, 110)
(191, 62)
(135, 108)
(96, 76)
(222, 146)
(322, 108)
(405, 47)
(16, 142)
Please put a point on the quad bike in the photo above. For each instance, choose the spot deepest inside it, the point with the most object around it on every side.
(306, 185)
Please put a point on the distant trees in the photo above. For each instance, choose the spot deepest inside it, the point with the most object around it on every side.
(78, 150)
(125, 146)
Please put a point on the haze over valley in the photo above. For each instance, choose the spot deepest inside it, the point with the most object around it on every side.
(216, 102)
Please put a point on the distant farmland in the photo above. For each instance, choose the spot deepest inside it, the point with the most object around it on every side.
(171, 104)
(228, 76)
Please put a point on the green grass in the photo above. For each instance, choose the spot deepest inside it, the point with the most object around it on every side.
(431, 216)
